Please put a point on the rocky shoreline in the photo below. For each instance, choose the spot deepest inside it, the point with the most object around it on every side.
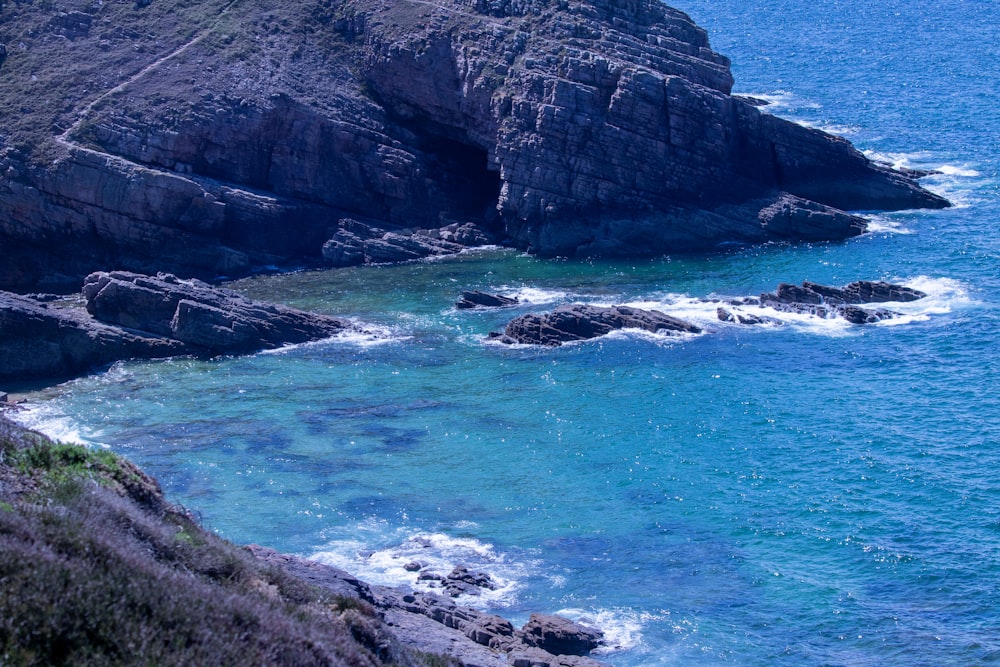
(32, 469)
(123, 315)
(436, 624)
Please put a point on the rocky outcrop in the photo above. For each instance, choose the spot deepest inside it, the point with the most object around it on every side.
(133, 316)
(436, 624)
(54, 341)
(357, 243)
(246, 144)
(204, 317)
(823, 301)
(478, 299)
(561, 636)
(582, 322)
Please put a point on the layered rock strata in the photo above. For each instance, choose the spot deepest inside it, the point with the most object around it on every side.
(133, 316)
(568, 127)
(213, 319)
(356, 243)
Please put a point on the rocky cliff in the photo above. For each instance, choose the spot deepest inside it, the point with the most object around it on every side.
(208, 140)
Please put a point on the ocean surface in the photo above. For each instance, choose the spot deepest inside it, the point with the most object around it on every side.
(814, 493)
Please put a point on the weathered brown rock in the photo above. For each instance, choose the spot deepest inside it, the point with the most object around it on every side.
(245, 146)
(582, 322)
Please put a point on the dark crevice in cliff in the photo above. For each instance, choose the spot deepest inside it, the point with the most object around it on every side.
(459, 167)
(463, 171)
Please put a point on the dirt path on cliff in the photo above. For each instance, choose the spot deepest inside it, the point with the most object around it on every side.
(64, 138)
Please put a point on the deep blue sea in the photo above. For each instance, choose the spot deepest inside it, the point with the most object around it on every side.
(814, 493)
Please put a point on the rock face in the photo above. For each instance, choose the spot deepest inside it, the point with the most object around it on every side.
(247, 143)
(52, 341)
(582, 322)
(560, 635)
(130, 315)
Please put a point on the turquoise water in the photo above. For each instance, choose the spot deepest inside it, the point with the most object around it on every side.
(811, 493)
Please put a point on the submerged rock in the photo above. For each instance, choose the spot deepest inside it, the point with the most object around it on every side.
(581, 322)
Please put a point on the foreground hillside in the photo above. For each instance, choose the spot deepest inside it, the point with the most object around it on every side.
(212, 138)
(98, 569)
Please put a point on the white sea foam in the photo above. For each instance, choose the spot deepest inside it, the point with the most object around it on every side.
(782, 100)
(955, 182)
(882, 223)
(829, 128)
(366, 335)
(474, 250)
(436, 553)
(622, 628)
(47, 419)
(536, 295)
(944, 295)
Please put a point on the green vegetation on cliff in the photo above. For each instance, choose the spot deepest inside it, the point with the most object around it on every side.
(98, 569)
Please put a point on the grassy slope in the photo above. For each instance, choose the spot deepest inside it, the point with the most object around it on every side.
(62, 55)
(98, 569)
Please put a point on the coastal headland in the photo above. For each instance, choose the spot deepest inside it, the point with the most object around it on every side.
(147, 147)
(214, 140)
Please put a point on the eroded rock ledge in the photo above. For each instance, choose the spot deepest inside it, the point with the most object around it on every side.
(248, 145)
(133, 316)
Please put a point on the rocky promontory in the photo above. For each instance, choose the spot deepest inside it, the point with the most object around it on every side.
(127, 315)
(209, 139)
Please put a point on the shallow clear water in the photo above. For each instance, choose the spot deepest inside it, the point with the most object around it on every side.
(812, 493)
